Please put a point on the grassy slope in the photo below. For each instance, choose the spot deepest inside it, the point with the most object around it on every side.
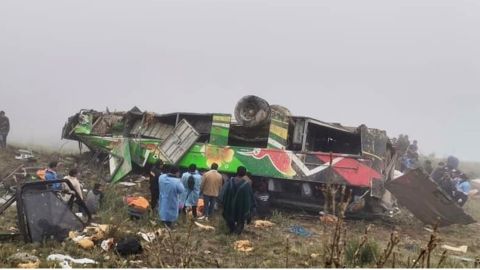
(215, 248)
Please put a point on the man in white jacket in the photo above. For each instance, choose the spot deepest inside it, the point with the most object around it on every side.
(72, 177)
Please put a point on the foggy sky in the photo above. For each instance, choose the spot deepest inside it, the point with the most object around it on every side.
(403, 66)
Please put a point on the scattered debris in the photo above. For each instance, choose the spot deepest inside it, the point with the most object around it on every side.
(97, 231)
(428, 229)
(328, 219)
(149, 237)
(128, 246)
(300, 230)
(37, 222)
(314, 255)
(64, 259)
(263, 224)
(465, 259)
(457, 249)
(24, 154)
(127, 184)
(29, 265)
(137, 206)
(423, 197)
(205, 227)
(24, 260)
(86, 243)
(243, 245)
(108, 244)
(136, 262)
(140, 179)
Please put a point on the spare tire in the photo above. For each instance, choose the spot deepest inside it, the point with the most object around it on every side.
(252, 111)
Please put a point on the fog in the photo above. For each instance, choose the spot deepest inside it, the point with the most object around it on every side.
(403, 66)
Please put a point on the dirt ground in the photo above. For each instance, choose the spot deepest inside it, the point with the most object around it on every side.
(190, 246)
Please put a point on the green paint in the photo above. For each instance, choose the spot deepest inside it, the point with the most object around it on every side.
(220, 129)
(142, 151)
(120, 161)
(85, 124)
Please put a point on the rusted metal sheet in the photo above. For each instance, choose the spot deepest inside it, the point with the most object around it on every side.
(424, 198)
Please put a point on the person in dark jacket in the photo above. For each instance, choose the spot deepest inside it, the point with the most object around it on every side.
(4, 129)
(428, 166)
(155, 172)
(94, 199)
(237, 201)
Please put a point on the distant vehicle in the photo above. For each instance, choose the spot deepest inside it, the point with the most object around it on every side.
(294, 156)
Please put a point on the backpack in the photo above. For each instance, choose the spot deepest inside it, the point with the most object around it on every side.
(191, 182)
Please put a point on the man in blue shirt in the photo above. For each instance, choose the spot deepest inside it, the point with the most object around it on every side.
(463, 188)
(192, 189)
(170, 189)
(51, 175)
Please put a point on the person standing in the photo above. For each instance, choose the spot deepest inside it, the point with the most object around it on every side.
(237, 201)
(170, 189)
(212, 182)
(428, 166)
(155, 173)
(4, 129)
(191, 181)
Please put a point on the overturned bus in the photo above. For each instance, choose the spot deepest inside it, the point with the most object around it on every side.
(292, 156)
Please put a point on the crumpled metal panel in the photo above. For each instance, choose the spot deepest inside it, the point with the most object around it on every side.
(120, 159)
(427, 202)
(178, 142)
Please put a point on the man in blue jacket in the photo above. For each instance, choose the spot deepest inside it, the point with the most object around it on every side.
(51, 175)
(170, 189)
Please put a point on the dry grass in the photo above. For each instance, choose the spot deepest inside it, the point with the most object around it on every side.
(346, 243)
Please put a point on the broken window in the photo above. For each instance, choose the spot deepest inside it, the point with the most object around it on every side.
(326, 138)
(248, 136)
